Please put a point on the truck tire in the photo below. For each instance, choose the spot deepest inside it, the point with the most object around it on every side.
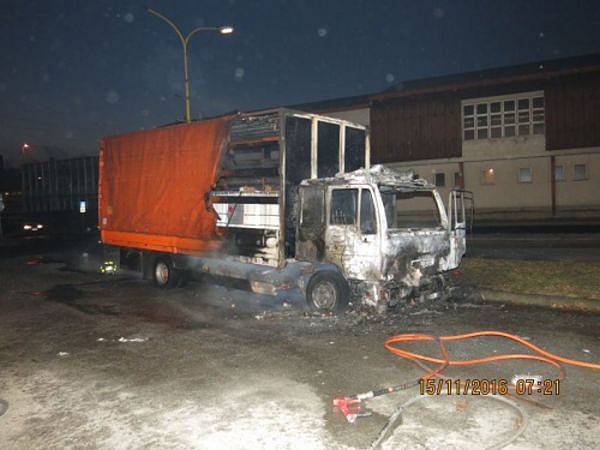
(164, 274)
(327, 291)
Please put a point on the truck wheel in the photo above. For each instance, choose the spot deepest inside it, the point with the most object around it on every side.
(163, 274)
(327, 291)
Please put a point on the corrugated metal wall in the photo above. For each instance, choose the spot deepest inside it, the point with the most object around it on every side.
(416, 128)
(573, 113)
(59, 185)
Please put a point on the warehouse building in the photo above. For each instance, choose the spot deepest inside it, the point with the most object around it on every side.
(524, 139)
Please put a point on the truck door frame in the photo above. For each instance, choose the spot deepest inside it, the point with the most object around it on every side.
(369, 262)
(458, 229)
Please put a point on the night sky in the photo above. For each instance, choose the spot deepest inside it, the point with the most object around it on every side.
(73, 71)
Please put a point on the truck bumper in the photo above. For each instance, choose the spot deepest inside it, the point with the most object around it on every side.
(380, 295)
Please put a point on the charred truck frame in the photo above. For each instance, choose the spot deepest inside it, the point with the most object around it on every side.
(296, 204)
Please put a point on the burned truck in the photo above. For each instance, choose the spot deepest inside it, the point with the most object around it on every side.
(281, 199)
(388, 233)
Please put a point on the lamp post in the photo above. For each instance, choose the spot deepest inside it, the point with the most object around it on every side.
(185, 42)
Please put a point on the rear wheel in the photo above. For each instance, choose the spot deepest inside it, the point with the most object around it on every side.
(164, 274)
(327, 291)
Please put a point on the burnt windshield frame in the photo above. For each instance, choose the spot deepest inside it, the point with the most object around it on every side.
(388, 197)
(391, 195)
(368, 215)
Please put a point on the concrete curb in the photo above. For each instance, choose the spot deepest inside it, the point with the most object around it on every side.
(546, 301)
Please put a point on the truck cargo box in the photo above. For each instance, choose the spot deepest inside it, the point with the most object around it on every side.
(229, 184)
(153, 185)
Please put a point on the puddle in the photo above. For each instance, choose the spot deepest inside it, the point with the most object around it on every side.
(39, 259)
(67, 266)
(64, 293)
(69, 295)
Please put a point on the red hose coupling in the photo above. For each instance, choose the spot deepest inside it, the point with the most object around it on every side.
(349, 406)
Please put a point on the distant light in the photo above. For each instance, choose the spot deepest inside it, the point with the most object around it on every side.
(82, 206)
(36, 227)
(490, 170)
(25, 147)
(226, 30)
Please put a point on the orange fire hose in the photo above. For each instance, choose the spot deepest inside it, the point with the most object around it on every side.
(350, 405)
(542, 355)
(391, 344)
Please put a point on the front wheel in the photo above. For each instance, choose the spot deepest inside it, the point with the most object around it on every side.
(327, 291)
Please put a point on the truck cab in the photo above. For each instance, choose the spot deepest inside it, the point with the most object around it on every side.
(387, 232)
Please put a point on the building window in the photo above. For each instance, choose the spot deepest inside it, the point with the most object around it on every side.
(458, 179)
(538, 115)
(580, 172)
(559, 173)
(488, 176)
(521, 115)
(440, 179)
(525, 175)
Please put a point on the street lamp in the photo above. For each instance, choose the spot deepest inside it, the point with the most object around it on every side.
(184, 42)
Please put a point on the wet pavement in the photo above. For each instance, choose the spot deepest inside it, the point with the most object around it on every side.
(93, 361)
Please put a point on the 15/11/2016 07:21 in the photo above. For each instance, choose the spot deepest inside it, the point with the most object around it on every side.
(493, 386)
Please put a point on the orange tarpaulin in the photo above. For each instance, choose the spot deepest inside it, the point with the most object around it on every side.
(153, 183)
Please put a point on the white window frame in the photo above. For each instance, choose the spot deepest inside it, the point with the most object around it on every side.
(521, 180)
(435, 175)
(458, 178)
(539, 113)
(564, 173)
(585, 175)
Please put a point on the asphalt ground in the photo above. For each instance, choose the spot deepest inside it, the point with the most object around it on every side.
(90, 361)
